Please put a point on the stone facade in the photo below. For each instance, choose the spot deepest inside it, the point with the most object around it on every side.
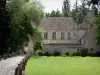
(89, 42)
(72, 33)
(63, 48)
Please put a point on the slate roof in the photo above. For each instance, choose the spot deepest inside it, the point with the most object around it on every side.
(58, 23)
(67, 22)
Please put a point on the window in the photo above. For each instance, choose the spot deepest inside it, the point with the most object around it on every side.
(69, 36)
(91, 49)
(74, 34)
(62, 35)
(45, 35)
(54, 35)
(82, 41)
(78, 50)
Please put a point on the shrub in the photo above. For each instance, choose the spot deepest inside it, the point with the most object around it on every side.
(98, 53)
(40, 53)
(46, 53)
(84, 52)
(63, 55)
(92, 54)
(57, 53)
(75, 54)
(51, 54)
(67, 54)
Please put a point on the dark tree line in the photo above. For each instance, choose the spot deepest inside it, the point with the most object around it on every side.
(95, 2)
(65, 10)
(4, 26)
(78, 12)
(19, 20)
(54, 13)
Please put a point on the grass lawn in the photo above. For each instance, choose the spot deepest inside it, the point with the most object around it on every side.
(63, 66)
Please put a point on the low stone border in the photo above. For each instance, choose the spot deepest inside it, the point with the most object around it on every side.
(20, 69)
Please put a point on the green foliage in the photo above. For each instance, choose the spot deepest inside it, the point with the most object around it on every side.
(97, 22)
(92, 54)
(38, 46)
(79, 12)
(84, 52)
(58, 13)
(57, 53)
(47, 14)
(75, 54)
(46, 53)
(54, 13)
(40, 53)
(67, 54)
(25, 18)
(79, 18)
(4, 27)
(98, 53)
(66, 8)
(63, 66)
(94, 9)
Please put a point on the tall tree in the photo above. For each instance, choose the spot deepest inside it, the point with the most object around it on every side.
(97, 22)
(94, 9)
(4, 27)
(58, 14)
(66, 8)
(76, 6)
(83, 7)
(75, 11)
(47, 14)
(95, 2)
(80, 11)
(25, 18)
(53, 13)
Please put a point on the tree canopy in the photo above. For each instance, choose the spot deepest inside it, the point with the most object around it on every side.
(25, 18)
(80, 11)
(66, 8)
(19, 23)
(54, 13)
(4, 26)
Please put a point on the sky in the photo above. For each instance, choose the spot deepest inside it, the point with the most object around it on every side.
(50, 5)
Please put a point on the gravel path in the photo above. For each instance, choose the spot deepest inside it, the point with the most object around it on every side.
(7, 67)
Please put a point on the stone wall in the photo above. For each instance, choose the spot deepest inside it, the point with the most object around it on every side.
(20, 69)
(89, 41)
(62, 48)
